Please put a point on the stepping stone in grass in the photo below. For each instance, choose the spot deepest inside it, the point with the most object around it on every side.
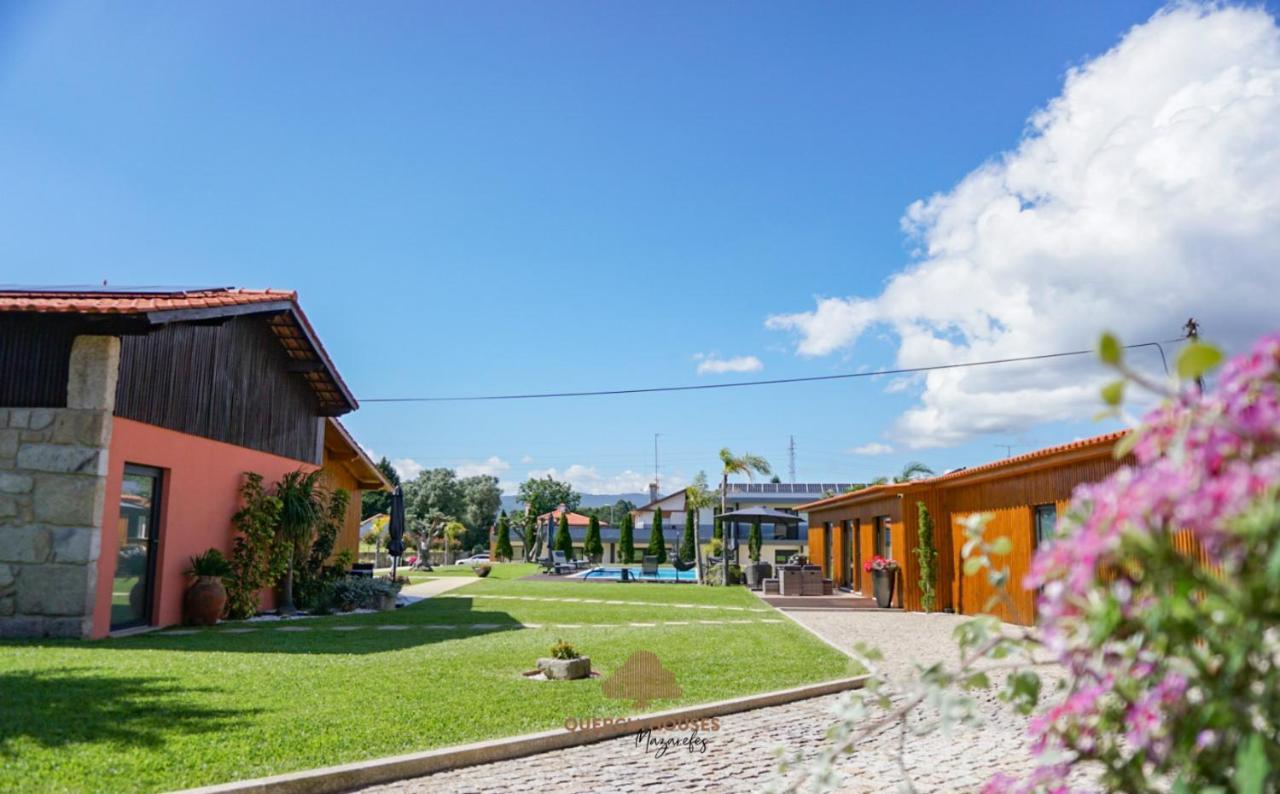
(177, 632)
(438, 626)
(236, 631)
(740, 621)
(644, 625)
(294, 628)
(676, 623)
(711, 622)
(347, 628)
(532, 625)
(568, 625)
(392, 627)
(480, 626)
(771, 620)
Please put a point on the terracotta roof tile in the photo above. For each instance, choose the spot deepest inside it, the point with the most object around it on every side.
(89, 301)
(1105, 440)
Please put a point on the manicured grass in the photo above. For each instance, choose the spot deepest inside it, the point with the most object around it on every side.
(163, 711)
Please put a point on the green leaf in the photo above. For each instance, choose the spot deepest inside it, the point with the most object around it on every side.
(1196, 359)
(977, 681)
(974, 564)
(1113, 393)
(1109, 349)
(1126, 444)
(1001, 545)
(1251, 766)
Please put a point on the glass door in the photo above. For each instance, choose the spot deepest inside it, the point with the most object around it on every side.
(138, 524)
(846, 554)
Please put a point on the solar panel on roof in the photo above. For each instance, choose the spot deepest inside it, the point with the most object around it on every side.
(106, 288)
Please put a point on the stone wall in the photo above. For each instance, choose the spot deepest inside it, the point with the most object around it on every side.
(53, 466)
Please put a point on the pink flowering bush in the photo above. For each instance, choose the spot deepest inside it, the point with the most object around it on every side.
(1172, 657)
(1159, 610)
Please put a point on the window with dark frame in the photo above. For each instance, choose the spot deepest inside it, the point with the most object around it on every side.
(1046, 521)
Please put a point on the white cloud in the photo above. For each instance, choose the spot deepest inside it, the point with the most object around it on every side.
(872, 448)
(407, 468)
(493, 465)
(526, 459)
(713, 364)
(587, 479)
(1143, 194)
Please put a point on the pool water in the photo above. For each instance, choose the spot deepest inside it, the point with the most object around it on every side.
(613, 573)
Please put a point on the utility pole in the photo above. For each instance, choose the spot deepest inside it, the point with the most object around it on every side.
(1008, 449)
(791, 455)
(655, 460)
(1192, 329)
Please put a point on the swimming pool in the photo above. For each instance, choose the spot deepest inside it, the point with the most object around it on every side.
(613, 573)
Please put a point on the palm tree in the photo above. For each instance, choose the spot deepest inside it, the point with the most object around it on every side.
(301, 506)
(915, 470)
(747, 464)
(698, 498)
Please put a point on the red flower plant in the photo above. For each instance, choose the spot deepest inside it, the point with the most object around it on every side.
(878, 563)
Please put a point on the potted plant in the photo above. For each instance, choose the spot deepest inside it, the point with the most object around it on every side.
(884, 573)
(206, 598)
(565, 663)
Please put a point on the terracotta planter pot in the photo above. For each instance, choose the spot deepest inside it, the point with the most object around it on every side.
(882, 583)
(205, 601)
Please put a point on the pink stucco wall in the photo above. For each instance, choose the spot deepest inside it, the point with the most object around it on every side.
(201, 482)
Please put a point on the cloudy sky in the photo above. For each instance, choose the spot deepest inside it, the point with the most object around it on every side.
(507, 198)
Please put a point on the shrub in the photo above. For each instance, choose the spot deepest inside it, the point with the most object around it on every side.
(657, 544)
(502, 541)
(563, 650)
(689, 546)
(715, 576)
(482, 570)
(592, 546)
(626, 540)
(564, 541)
(256, 558)
(355, 592)
(927, 555)
(753, 542)
(211, 563)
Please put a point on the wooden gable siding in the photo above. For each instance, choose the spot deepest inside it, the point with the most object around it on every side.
(229, 382)
(35, 354)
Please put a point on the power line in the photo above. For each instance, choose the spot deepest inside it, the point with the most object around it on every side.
(771, 382)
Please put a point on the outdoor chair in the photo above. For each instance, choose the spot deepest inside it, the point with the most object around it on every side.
(561, 563)
(649, 566)
(362, 570)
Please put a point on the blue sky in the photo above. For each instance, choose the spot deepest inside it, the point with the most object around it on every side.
(499, 197)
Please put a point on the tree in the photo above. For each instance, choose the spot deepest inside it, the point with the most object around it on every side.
(564, 541)
(775, 479)
(452, 535)
(255, 555)
(375, 502)
(657, 544)
(301, 507)
(915, 470)
(532, 540)
(747, 464)
(697, 497)
(927, 555)
(608, 513)
(546, 494)
(482, 498)
(626, 539)
(689, 547)
(592, 545)
(753, 542)
(502, 543)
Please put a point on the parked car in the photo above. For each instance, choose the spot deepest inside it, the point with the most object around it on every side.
(474, 559)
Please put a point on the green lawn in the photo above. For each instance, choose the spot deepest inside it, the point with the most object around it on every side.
(163, 711)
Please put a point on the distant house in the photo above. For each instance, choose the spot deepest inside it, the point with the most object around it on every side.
(1024, 494)
(127, 421)
(777, 543)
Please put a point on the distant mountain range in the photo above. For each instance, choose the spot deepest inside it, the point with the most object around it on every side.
(509, 502)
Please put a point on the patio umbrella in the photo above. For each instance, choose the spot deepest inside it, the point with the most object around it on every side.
(395, 528)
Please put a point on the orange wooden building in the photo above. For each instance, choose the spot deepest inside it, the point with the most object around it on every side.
(1024, 494)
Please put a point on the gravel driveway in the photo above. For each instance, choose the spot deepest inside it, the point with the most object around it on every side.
(740, 756)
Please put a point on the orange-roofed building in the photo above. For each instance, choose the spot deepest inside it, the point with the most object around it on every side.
(1024, 495)
(128, 418)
